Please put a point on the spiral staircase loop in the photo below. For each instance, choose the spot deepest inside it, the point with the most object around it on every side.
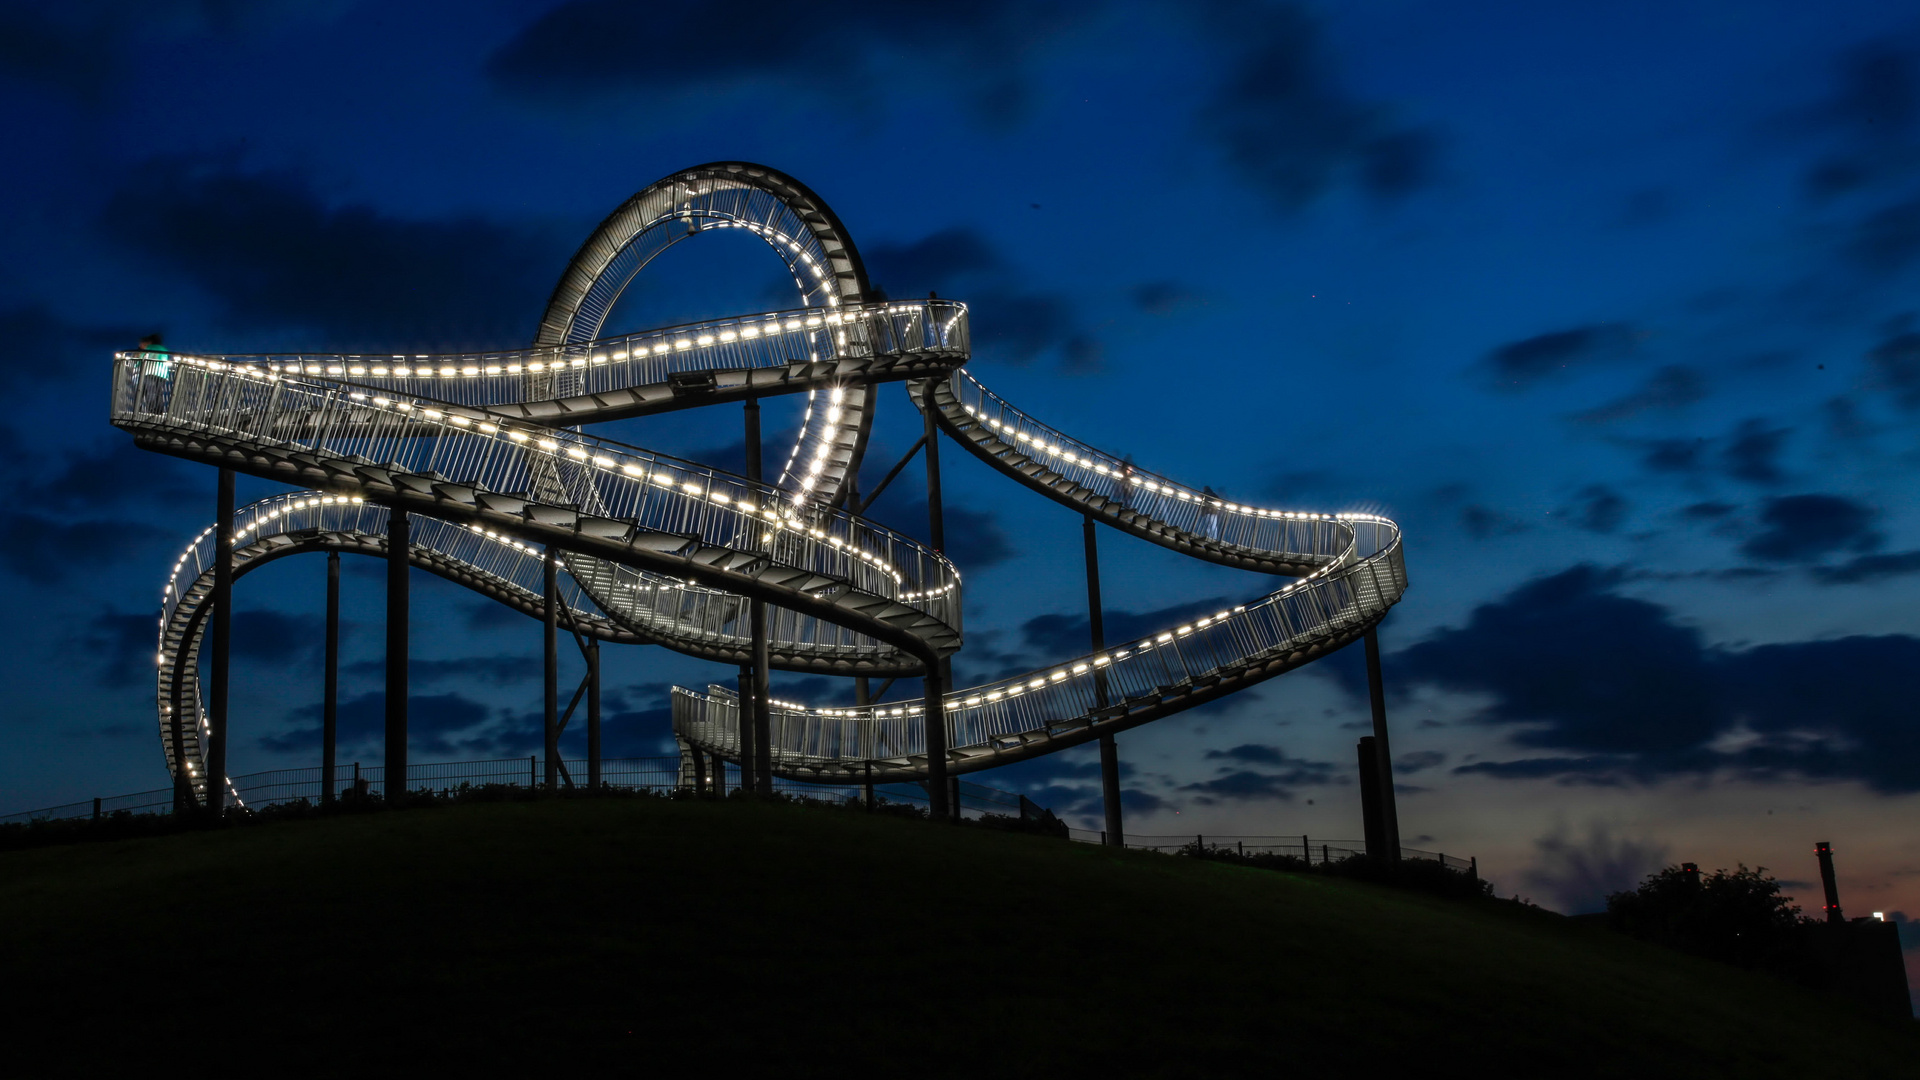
(485, 451)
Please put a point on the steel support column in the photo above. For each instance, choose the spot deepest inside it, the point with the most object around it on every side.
(222, 645)
(745, 718)
(1373, 826)
(862, 696)
(550, 651)
(940, 675)
(1383, 754)
(593, 717)
(938, 807)
(397, 570)
(762, 705)
(330, 683)
(1109, 753)
(756, 718)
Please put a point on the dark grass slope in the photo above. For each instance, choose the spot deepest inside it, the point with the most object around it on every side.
(695, 938)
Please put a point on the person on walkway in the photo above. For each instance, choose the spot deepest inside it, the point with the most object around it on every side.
(1209, 513)
(1123, 484)
(154, 374)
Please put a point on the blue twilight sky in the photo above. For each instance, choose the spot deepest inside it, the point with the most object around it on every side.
(1611, 305)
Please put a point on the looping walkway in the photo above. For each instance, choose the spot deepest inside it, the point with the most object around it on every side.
(484, 451)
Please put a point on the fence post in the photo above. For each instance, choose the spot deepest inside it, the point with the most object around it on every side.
(96, 808)
(1473, 866)
(1199, 843)
(531, 774)
(1243, 848)
(869, 787)
(1306, 849)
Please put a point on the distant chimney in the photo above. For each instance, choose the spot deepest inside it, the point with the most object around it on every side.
(1825, 851)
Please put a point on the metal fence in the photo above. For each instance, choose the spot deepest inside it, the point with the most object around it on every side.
(1313, 852)
(630, 774)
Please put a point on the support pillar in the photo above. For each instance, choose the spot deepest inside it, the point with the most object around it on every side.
(1383, 753)
(330, 683)
(699, 770)
(744, 720)
(939, 674)
(550, 644)
(762, 706)
(397, 569)
(756, 718)
(593, 717)
(863, 696)
(1372, 821)
(222, 645)
(1109, 752)
(939, 807)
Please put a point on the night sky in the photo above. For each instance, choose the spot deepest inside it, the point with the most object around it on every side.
(1612, 306)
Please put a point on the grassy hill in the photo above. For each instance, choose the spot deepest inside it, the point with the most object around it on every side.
(708, 939)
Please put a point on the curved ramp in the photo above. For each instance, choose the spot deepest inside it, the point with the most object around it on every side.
(485, 449)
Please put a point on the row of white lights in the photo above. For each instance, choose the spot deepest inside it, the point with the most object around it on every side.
(469, 369)
(1068, 455)
(783, 518)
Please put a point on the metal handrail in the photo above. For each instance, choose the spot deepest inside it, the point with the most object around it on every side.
(427, 444)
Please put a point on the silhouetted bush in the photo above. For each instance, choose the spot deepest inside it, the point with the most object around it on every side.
(1419, 875)
(1739, 916)
(1044, 824)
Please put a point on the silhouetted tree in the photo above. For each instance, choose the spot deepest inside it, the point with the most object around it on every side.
(1739, 917)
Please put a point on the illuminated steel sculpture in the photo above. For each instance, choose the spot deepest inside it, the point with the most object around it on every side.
(477, 461)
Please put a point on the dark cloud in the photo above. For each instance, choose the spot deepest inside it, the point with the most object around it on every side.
(1289, 129)
(86, 49)
(591, 51)
(488, 615)
(51, 551)
(1674, 455)
(1164, 298)
(1893, 366)
(1016, 328)
(438, 726)
(1803, 528)
(122, 649)
(276, 255)
(1876, 97)
(109, 477)
(1070, 635)
(1600, 509)
(937, 261)
(1484, 523)
(1519, 365)
(1672, 387)
(975, 538)
(464, 671)
(1862, 569)
(1276, 781)
(1616, 690)
(1887, 241)
(1260, 772)
(276, 637)
(1707, 511)
(1251, 753)
(1870, 114)
(1419, 761)
(1011, 323)
(46, 347)
(1752, 453)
